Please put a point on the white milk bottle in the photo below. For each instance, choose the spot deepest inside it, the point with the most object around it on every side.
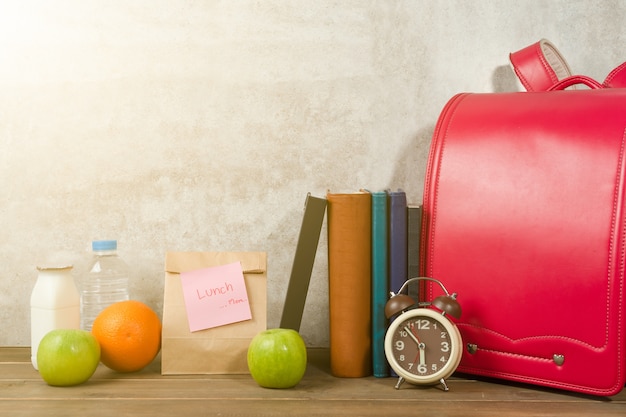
(54, 304)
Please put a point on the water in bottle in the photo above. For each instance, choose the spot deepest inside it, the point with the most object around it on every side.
(106, 281)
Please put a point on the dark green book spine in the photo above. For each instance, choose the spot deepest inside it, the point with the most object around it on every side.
(306, 249)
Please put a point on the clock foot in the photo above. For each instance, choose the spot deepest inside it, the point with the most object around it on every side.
(400, 381)
(443, 384)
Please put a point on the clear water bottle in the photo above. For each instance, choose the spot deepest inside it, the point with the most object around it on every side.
(54, 304)
(106, 281)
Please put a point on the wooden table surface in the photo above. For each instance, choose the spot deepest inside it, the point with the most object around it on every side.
(148, 393)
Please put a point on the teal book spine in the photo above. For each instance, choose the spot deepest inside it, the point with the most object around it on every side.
(380, 282)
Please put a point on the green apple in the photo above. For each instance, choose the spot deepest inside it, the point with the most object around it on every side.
(277, 358)
(67, 357)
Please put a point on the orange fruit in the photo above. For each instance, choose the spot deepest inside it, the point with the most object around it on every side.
(129, 333)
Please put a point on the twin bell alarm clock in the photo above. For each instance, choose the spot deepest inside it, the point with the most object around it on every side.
(422, 345)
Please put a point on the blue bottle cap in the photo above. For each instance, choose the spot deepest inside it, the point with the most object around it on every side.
(104, 245)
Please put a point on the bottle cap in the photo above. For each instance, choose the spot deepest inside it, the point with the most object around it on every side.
(104, 245)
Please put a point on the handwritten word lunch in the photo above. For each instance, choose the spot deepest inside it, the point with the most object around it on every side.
(210, 292)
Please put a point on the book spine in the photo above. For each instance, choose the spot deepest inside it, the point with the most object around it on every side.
(380, 283)
(349, 222)
(397, 239)
(304, 258)
(414, 233)
(397, 247)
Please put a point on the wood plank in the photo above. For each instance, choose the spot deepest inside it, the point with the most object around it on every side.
(292, 408)
(23, 392)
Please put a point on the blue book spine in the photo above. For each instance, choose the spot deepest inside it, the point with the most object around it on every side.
(380, 283)
(398, 239)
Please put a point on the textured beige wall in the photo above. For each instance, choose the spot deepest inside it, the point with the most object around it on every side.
(201, 125)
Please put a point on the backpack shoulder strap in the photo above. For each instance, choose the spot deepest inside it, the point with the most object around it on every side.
(616, 78)
(539, 66)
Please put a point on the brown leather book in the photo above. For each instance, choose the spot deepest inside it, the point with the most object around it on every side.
(349, 218)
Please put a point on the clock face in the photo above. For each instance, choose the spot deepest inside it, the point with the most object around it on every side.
(423, 346)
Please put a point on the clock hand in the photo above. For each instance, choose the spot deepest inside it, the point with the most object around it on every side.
(421, 354)
(421, 346)
(412, 335)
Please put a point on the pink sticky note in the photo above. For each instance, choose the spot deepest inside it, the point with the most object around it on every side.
(215, 296)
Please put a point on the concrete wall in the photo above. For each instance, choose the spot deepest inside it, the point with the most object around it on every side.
(202, 125)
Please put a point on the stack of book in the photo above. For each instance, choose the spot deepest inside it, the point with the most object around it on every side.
(373, 248)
